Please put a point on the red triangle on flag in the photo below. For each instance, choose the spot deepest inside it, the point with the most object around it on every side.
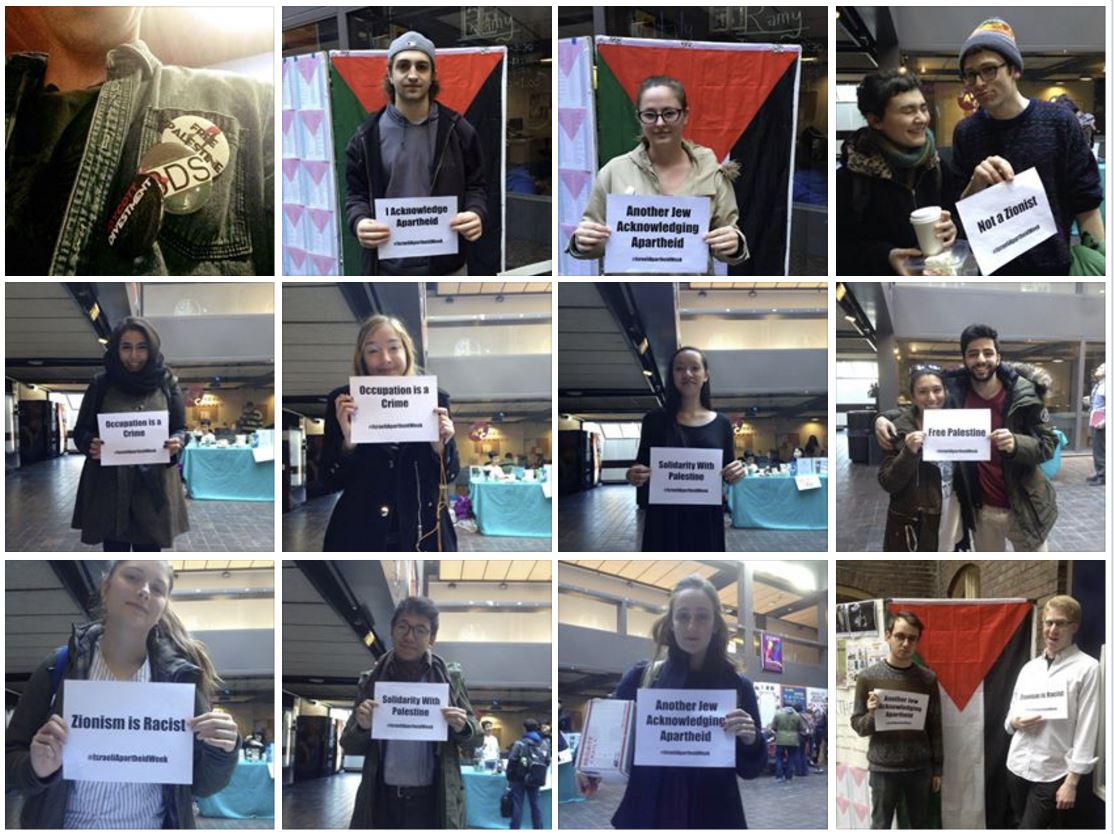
(460, 75)
(725, 87)
(962, 641)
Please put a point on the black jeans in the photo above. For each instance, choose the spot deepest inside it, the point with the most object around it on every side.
(886, 789)
(518, 791)
(1098, 451)
(111, 545)
(1034, 803)
(413, 809)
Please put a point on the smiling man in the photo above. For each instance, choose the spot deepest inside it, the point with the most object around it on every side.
(1048, 755)
(414, 147)
(1010, 133)
(906, 763)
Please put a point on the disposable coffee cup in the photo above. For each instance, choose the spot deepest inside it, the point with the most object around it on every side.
(923, 219)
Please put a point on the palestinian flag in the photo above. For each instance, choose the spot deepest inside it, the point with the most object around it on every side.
(742, 102)
(977, 649)
(473, 83)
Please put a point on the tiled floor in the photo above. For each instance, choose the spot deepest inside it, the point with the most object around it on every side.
(801, 803)
(303, 529)
(320, 803)
(14, 802)
(39, 500)
(861, 506)
(606, 518)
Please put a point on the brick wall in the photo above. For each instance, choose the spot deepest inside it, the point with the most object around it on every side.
(904, 578)
(1037, 580)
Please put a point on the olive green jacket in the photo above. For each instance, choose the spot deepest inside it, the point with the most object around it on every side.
(447, 781)
(913, 517)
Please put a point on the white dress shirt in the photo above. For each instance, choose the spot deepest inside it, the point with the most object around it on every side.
(1056, 747)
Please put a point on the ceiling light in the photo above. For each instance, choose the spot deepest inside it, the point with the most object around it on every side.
(794, 573)
(646, 372)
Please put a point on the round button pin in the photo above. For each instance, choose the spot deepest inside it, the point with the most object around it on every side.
(134, 226)
(202, 137)
(184, 177)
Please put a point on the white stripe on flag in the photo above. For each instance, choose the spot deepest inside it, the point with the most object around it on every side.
(963, 794)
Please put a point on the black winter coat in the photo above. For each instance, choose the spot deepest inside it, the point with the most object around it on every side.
(458, 171)
(873, 208)
(45, 800)
(385, 487)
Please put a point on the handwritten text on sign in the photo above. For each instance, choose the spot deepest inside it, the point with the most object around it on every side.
(684, 728)
(899, 710)
(1007, 220)
(1045, 703)
(410, 711)
(394, 409)
(686, 476)
(121, 731)
(419, 226)
(657, 234)
(957, 434)
(132, 437)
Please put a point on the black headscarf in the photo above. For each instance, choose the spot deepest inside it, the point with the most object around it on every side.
(145, 380)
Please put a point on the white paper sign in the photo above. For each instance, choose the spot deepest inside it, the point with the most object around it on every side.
(419, 226)
(1007, 220)
(686, 476)
(121, 731)
(657, 235)
(604, 748)
(410, 711)
(132, 437)
(807, 482)
(394, 409)
(264, 448)
(1050, 703)
(899, 710)
(957, 434)
(683, 728)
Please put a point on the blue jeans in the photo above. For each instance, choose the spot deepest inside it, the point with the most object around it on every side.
(518, 790)
(802, 769)
(785, 756)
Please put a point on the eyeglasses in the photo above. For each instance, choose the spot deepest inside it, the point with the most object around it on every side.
(1060, 623)
(987, 73)
(404, 629)
(670, 115)
(906, 638)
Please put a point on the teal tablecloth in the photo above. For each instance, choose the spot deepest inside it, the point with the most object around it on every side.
(773, 503)
(511, 508)
(482, 792)
(249, 796)
(566, 784)
(227, 474)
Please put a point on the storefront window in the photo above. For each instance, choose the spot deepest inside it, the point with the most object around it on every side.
(312, 37)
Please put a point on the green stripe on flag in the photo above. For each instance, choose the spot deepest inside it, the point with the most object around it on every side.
(348, 115)
(615, 115)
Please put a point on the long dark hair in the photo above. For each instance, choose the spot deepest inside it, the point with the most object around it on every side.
(673, 396)
(173, 629)
(665, 640)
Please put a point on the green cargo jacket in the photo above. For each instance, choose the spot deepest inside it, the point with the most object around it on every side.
(44, 804)
(232, 234)
(915, 491)
(447, 781)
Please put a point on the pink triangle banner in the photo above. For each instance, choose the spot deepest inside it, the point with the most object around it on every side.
(290, 168)
(312, 119)
(325, 265)
(293, 212)
(308, 65)
(297, 255)
(574, 181)
(287, 120)
(317, 170)
(567, 53)
(571, 118)
(320, 218)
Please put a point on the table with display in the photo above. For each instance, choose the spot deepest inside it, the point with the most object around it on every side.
(249, 795)
(773, 502)
(482, 792)
(227, 474)
(511, 508)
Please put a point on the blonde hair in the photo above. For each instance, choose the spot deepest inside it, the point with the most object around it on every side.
(1069, 605)
(369, 326)
(665, 639)
(174, 630)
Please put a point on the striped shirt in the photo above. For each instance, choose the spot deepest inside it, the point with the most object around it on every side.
(120, 805)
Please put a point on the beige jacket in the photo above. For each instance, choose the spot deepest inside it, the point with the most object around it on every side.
(633, 173)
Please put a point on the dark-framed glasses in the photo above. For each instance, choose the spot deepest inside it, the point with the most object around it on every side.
(987, 73)
(670, 115)
(404, 629)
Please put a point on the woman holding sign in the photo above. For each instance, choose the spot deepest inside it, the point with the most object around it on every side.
(666, 164)
(692, 635)
(139, 506)
(687, 421)
(924, 513)
(408, 783)
(138, 638)
(394, 495)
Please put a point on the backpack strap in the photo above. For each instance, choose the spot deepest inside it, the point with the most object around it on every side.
(58, 671)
